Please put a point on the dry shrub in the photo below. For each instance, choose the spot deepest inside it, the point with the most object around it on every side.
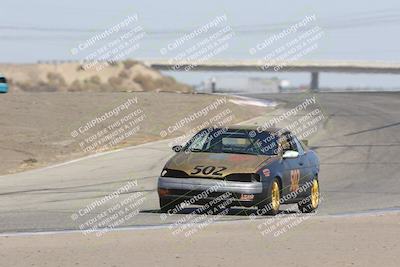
(129, 63)
(115, 82)
(145, 81)
(36, 86)
(93, 84)
(95, 79)
(56, 79)
(75, 86)
(167, 84)
(124, 74)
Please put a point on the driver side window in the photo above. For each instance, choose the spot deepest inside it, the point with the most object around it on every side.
(298, 146)
(288, 143)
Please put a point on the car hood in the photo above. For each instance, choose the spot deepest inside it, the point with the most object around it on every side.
(234, 163)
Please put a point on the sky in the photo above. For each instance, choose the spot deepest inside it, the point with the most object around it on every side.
(352, 30)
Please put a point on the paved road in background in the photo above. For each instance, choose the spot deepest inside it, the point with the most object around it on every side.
(359, 147)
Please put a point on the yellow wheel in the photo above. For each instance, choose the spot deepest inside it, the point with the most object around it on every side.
(311, 202)
(315, 194)
(276, 196)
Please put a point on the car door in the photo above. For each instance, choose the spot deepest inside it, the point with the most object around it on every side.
(291, 166)
(303, 164)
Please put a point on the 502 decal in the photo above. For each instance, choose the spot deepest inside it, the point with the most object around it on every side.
(208, 170)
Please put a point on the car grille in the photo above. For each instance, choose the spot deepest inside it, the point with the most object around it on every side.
(236, 177)
(200, 194)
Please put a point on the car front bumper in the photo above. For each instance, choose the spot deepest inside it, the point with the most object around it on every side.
(205, 190)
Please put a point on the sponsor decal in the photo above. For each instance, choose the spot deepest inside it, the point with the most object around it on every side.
(294, 178)
(266, 172)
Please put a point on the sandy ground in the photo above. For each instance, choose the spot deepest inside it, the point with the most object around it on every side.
(365, 240)
(35, 128)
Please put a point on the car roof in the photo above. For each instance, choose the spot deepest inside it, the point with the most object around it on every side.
(254, 127)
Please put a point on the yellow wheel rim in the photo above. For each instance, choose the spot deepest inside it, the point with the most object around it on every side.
(276, 196)
(315, 194)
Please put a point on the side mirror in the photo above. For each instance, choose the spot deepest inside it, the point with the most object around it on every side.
(177, 148)
(290, 154)
(305, 142)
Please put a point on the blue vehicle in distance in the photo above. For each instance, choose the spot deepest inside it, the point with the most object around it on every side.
(3, 84)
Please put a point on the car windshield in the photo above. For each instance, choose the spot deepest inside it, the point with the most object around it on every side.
(3, 80)
(235, 141)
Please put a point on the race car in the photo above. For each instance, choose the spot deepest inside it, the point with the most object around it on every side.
(255, 167)
(3, 84)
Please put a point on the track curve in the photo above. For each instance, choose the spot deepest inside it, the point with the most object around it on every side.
(358, 146)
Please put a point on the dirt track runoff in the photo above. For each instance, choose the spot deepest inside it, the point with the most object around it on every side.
(358, 146)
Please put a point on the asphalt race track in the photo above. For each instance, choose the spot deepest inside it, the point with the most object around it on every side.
(359, 148)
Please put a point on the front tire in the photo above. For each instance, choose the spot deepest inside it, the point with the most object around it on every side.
(311, 202)
(272, 203)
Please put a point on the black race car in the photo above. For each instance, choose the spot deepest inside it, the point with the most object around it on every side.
(262, 168)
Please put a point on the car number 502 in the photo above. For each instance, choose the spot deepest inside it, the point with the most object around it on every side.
(207, 170)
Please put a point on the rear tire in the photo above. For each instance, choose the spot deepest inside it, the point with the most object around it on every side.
(271, 204)
(311, 202)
